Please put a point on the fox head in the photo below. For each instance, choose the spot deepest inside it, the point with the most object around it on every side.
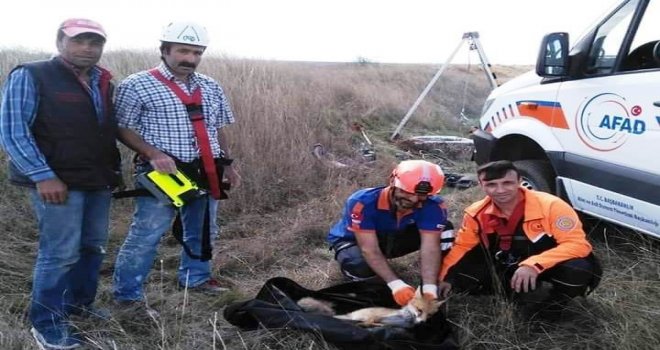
(421, 308)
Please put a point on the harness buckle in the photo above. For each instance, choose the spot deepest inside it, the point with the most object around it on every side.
(194, 111)
(506, 259)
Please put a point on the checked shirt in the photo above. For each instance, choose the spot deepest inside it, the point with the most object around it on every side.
(149, 107)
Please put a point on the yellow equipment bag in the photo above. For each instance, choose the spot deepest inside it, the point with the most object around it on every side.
(173, 189)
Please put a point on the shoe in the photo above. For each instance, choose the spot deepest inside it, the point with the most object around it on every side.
(66, 343)
(212, 286)
(136, 308)
(91, 311)
(552, 309)
(551, 313)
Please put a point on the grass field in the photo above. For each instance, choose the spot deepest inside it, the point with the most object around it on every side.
(275, 224)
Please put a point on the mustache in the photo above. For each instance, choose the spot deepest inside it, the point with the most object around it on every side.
(187, 64)
(403, 202)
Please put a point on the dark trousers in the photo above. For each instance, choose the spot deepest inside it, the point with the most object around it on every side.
(480, 273)
(353, 265)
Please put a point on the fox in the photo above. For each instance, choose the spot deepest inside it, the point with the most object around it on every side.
(418, 310)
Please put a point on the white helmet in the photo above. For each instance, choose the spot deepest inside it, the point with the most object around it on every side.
(185, 33)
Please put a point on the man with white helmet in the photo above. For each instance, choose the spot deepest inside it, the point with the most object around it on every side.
(391, 221)
(172, 116)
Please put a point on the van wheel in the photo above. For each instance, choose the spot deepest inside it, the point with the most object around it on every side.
(536, 175)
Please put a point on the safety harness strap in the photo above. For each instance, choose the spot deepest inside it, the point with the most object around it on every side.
(138, 192)
(206, 248)
(193, 105)
(506, 231)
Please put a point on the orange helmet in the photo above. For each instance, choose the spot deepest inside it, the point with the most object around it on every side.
(418, 176)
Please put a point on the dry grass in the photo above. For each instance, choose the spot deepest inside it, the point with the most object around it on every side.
(275, 224)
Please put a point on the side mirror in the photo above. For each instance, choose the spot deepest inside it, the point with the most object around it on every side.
(552, 60)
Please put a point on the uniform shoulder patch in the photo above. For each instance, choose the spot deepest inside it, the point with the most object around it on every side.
(565, 223)
(356, 217)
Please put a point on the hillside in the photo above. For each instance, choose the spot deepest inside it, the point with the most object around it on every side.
(275, 224)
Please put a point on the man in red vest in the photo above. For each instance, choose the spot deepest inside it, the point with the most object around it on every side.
(58, 127)
(172, 116)
(520, 238)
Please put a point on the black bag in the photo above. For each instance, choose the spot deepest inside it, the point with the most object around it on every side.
(275, 307)
(195, 171)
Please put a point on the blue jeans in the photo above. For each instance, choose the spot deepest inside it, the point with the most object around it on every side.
(72, 240)
(213, 222)
(151, 220)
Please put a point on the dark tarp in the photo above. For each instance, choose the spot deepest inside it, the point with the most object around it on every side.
(275, 307)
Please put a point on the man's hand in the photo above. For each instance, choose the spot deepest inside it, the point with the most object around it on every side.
(401, 291)
(161, 162)
(524, 279)
(233, 176)
(52, 191)
(443, 289)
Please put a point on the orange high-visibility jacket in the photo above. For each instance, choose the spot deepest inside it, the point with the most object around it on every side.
(545, 214)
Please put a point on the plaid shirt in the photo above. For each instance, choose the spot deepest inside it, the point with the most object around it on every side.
(20, 102)
(149, 107)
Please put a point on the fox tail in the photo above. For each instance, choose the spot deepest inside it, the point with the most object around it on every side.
(316, 306)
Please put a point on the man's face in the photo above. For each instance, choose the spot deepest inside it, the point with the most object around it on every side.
(502, 191)
(83, 51)
(183, 59)
(405, 200)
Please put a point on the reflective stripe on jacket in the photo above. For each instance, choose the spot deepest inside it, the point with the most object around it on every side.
(545, 214)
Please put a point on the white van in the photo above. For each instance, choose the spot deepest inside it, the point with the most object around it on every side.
(586, 124)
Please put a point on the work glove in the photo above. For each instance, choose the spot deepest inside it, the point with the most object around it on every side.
(428, 291)
(401, 291)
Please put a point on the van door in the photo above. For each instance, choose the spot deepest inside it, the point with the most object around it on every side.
(610, 167)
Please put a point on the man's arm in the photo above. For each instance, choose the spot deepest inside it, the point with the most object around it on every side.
(19, 108)
(226, 118)
(467, 238)
(129, 108)
(158, 160)
(20, 100)
(368, 244)
(430, 256)
(230, 171)
(566, 229)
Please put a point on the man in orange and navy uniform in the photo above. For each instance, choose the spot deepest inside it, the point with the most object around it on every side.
(521, 237)
(388, 222)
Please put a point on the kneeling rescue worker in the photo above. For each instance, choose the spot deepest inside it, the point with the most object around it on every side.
(391, 221)
(522, 237)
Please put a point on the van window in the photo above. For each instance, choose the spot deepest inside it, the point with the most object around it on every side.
(641, 54)
(609, 39)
